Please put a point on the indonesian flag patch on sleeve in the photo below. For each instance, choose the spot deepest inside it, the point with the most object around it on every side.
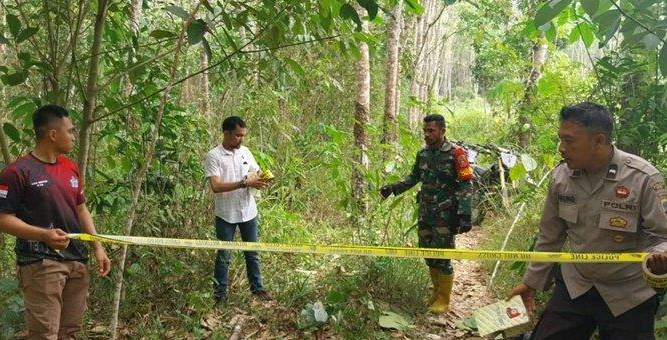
(3, 190)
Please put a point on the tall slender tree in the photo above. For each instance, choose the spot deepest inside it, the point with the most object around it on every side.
(361, 140)
(141, 175)
(204, 85)
(88, 114)
(539, 57)
(390, 124)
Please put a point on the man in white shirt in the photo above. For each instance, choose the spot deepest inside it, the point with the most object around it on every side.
(231, 171)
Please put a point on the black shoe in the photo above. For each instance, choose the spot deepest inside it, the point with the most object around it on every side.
(262, 295)
(220, 300)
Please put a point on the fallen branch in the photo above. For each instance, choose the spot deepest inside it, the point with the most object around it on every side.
(238, 327)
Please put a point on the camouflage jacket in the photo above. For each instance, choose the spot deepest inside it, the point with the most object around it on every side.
(441, 189)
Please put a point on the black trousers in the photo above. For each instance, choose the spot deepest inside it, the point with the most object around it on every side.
(576, 319)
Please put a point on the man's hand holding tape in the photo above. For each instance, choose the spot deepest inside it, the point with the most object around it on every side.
(657, 263)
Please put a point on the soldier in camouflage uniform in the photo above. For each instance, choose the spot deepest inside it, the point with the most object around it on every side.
(444, 203)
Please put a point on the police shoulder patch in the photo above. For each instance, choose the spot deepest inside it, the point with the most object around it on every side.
(657, 184)
(663, 201)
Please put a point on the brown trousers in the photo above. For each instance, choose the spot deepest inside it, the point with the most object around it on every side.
(54, 295)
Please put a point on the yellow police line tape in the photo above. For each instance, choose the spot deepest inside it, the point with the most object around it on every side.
(656, 281)
(405, 252)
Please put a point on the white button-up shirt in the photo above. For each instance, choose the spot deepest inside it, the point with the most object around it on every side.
(238, 205)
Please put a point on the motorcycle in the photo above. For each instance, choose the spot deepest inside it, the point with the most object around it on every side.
(488, 181)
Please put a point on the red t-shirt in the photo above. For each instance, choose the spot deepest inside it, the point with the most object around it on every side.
(44, 195)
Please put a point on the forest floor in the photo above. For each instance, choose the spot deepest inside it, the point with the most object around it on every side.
(469, 293)
(256, 319)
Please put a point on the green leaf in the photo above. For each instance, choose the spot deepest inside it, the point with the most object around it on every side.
(549, 11)
(26, 34)
(370, 6)
(612, 30)
(325, 21)
(161, 34)
(575, 35)
(134, 268)
(348, 12)
(230, 39)
(651, 42)
(42, 65)
(662, 60)
(590, 6)
(24, 56)
(207, 49)
(11, 131)
(392, 320)
(227, 21)
(468, 323)
(178, 11)
(415, 7)
(528, 162)
(604, 5)
(295, 67)
(208, 6)
(551, 33)
(607, 18)
(196, 30)
(15, 78)
(14, 24)
(3, 40)
(517, 172)
(587, 35)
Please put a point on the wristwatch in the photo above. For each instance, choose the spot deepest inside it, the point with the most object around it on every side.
(243, 183)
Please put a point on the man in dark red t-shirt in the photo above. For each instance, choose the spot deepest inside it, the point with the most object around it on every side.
(41, 200)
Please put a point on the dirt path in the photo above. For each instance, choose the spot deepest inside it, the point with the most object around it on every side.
(469, 293)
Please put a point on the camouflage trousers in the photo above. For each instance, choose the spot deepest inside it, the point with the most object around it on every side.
(436, 234)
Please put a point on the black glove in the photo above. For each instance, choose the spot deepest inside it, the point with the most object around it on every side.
(387, 190)
(465, 224)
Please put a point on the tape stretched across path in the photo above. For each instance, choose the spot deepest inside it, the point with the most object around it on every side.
(455, 254)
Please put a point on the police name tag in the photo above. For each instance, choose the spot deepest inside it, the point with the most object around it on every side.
(507, 317)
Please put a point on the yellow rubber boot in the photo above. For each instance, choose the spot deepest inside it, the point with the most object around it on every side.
(435, 275)
(441, 303)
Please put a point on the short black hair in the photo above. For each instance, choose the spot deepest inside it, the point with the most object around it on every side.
(230, 123)
(594, 117)
(438, 119)
(44, 116)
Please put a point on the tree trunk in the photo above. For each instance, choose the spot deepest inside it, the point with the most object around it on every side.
(414, 112)
(361, 120)
(141, 175)
(4, 146)
(204, 84)
(401, 47)
(135, 16)
(539, 58)
(390, 126)
(88, 114)
(3, 139)
(425, 74)
(135, 19)
(136, 12)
